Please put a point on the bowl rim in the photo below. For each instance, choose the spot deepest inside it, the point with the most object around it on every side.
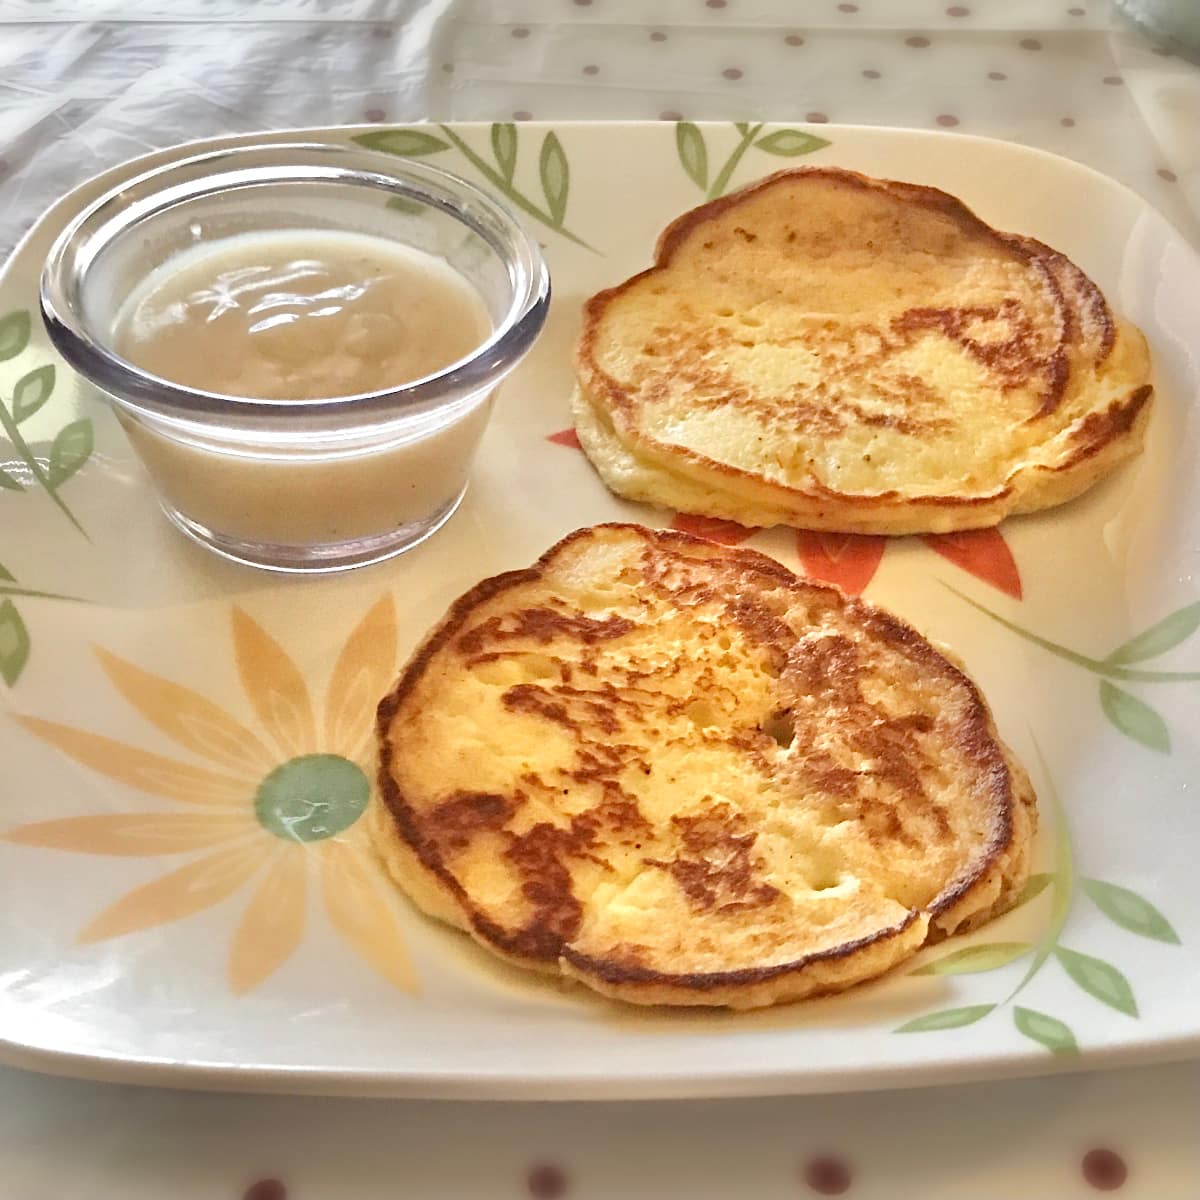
(121, 208)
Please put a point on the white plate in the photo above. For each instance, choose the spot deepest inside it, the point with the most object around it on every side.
(157, 930)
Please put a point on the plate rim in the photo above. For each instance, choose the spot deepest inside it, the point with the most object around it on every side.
(466, 1084)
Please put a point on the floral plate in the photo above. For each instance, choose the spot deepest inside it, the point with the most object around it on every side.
(186, 893)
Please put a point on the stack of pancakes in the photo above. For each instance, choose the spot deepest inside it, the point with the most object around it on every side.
(680, 774)
(848, 354)
(674, 771)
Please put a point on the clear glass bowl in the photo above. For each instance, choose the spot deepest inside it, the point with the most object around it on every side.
(298, 485)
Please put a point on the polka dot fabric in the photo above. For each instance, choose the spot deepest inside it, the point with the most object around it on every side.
(1063, 78)
(1068, 78)
(1129, 1134)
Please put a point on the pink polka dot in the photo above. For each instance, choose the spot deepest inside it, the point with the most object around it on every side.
(448, 68)
(849, 8)
(583, 3)
(1113, 80)
(1104, 1169)
(520, 32)
(547, 1182)
(715, 3)
(591, 69)
(1077, 12)
(794, 39)
(1030, 44)
(917, 43)
(374, 114)
(265, 1189)
(658, 36)
(1169, 176)
(522, 115)
(997, 75)
(670, 115)
(1067, 122)
(826, 1175)
(816, 118)
(381, 31)
(947, 121)
(958, 10)
(732, 73)
(869, 73)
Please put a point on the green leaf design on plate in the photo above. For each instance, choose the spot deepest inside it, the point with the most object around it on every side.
(1047, 1030)
(790, 143)
(1130, 911)
(412, 208)
(32, 391)
(14, 333)
(504, 147)
(1099, 979)
(1035, 885)
(14, 643)
(7, 481)
(555, 176)
(947, 1018)
(693, 153)
(555, 181)
(70, 450)
(1160, 638)
(1095, 665)
(973, 960)
(412, 143)
(7, 575)
(1134, 717)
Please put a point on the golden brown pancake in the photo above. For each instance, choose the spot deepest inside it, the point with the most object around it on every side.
(836, 352)
(679, 774)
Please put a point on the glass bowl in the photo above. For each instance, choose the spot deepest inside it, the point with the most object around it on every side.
(297, 485)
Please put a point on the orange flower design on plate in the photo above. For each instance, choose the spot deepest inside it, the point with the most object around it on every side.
(275, 809)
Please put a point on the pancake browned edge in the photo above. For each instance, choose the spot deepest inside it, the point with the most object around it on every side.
(678, 773)
(836, 352)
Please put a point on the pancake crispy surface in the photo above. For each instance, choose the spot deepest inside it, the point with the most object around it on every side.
(680, 774)
(836, 352)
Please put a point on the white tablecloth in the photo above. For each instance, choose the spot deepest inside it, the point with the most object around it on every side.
(84, 85)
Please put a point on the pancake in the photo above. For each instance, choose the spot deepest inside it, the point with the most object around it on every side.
(675, 772)
(841, 353)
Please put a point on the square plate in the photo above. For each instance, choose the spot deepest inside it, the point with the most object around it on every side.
(153, 928)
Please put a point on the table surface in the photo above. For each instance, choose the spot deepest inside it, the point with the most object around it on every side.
(85, 84)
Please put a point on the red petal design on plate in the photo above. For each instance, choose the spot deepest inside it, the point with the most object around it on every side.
(728, 533)
(565, 437)
(982, 552)
(848, 559)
